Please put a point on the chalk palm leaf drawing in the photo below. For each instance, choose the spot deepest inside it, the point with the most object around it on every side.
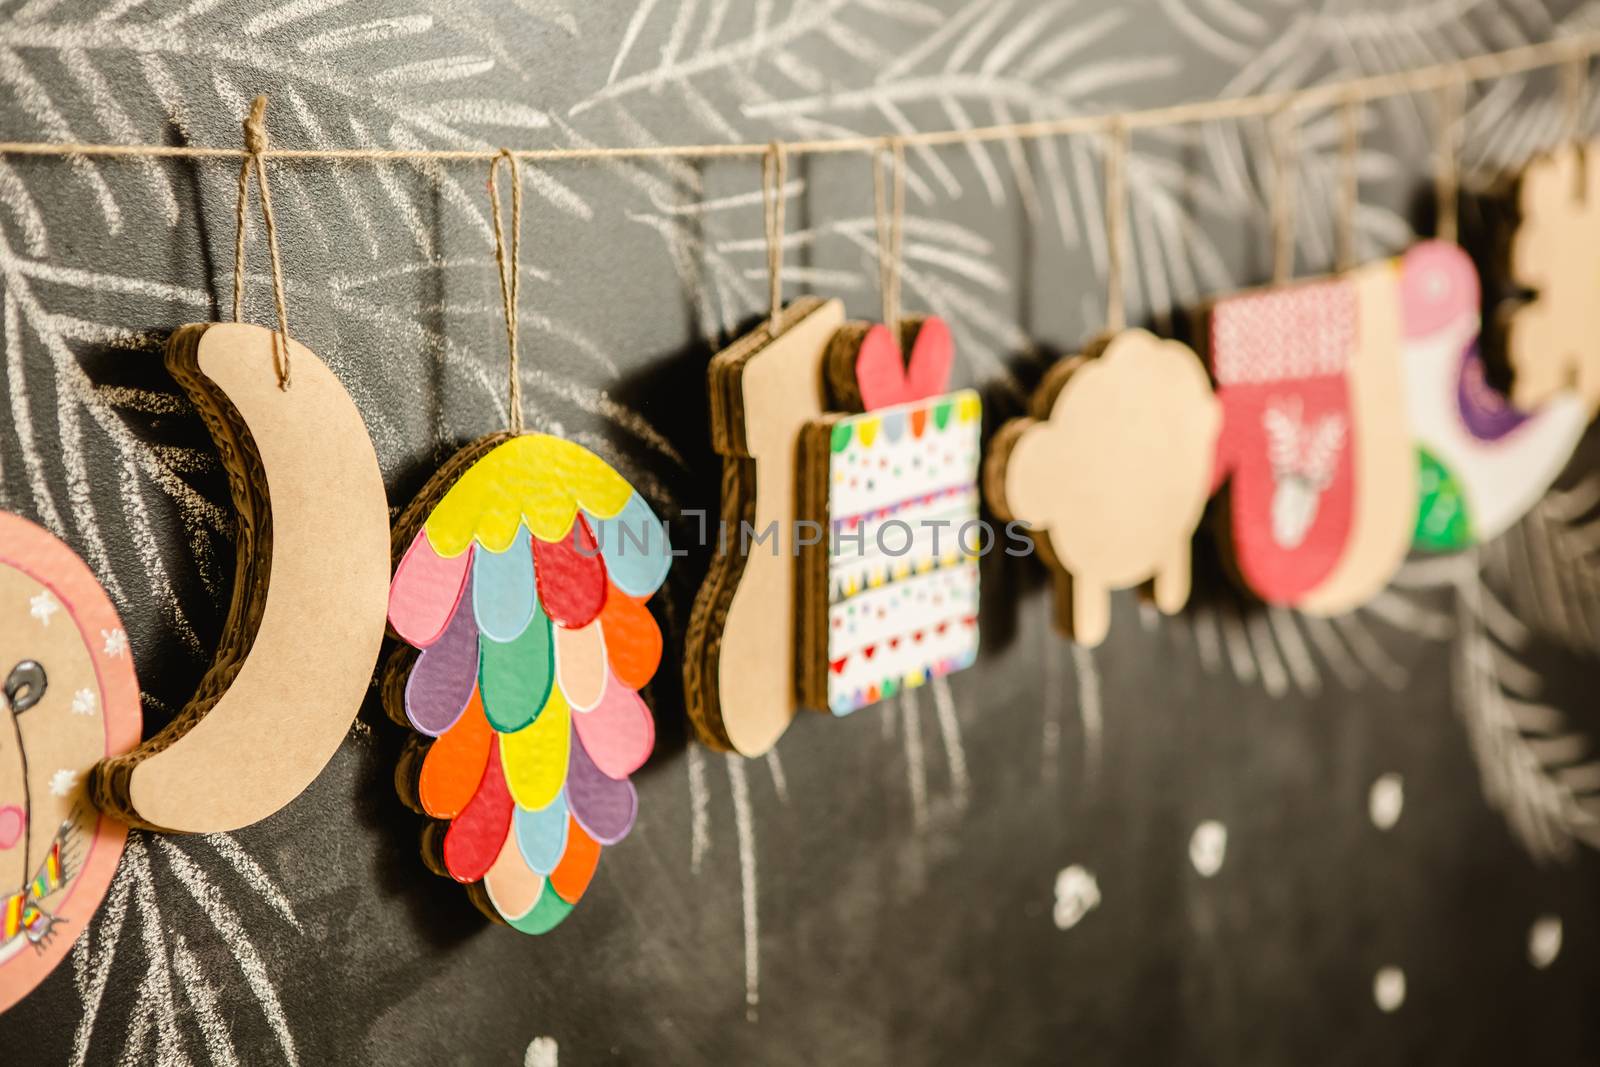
(395, 247)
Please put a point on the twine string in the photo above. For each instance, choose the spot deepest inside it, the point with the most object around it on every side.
(774, 176)
(1283, 131)
(889, 209)
(1349, 182)
(1574, 78)
(255, 150)
(1116, 224)
(509, 268)
(1447, 160)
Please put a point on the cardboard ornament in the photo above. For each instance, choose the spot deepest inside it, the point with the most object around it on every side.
(1553, 340)
(889, 584)
(739, 651)
(1314, 450)
(305, 624)
(68, 698)
(521, 575)
(1111, 471)
(1482, 461)
(1383, 472)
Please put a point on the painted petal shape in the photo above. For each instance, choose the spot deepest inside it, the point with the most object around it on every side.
(573, 875)
(477, 835)
(542, 834)
(581, 664)
(634, 545)
(442, 679)
(633, 641)
(571, 575)
(619, 733)
(546, 914)
(536, 755)
(454, 764)
(603, 806)
(503, 589)
(425, 591)
(513, 889)
(516, 676)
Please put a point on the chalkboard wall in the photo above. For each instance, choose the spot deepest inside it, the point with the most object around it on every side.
(1234, 837)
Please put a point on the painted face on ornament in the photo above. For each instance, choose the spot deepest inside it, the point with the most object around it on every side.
(68, 699)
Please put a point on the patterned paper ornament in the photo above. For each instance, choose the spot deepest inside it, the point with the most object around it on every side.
(68, 698)
(521, 578)
(889, 588)
(1279, 356)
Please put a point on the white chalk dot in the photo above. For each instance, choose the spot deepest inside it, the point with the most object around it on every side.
(1544, 941)
(542, 1052)
(1077, 894)
(1389, 988)
(1208, 846)
(1386, 800)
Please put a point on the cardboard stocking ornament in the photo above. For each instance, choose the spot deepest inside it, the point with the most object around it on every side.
(739, 650)
(521, 575)
(68, 698)
(889, 579)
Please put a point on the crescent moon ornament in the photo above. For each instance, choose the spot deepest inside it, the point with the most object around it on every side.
(306, 623)
(68, 697)
(521, 575)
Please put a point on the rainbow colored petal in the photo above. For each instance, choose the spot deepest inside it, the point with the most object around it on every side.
(525, 593)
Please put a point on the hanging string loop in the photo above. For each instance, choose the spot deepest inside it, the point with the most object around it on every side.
(774, 177)
(1283, 131)
(255, 145)
(1116, 162)
(889, 209)
(508, 261)
(1447, 160)
(1349, 181)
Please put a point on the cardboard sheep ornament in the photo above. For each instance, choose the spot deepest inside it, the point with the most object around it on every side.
(889, 583)
(1111, 472)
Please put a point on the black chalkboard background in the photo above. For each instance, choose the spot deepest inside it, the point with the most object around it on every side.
(912, 884)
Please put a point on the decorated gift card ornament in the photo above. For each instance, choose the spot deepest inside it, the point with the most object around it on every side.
(889, 586)
(1111, 471)
(521, 575)
(1482, 462)
(68, 698)
(306, 621)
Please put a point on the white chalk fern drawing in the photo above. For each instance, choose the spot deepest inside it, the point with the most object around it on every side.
(94, 253)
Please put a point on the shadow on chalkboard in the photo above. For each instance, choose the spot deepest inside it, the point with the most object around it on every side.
(671, 391)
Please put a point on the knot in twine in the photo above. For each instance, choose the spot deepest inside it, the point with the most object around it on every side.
(255, 146)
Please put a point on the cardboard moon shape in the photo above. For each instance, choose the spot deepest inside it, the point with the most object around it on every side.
(68, 698)
(310, 592)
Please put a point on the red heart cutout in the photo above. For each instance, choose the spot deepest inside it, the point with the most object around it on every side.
(885, 379)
